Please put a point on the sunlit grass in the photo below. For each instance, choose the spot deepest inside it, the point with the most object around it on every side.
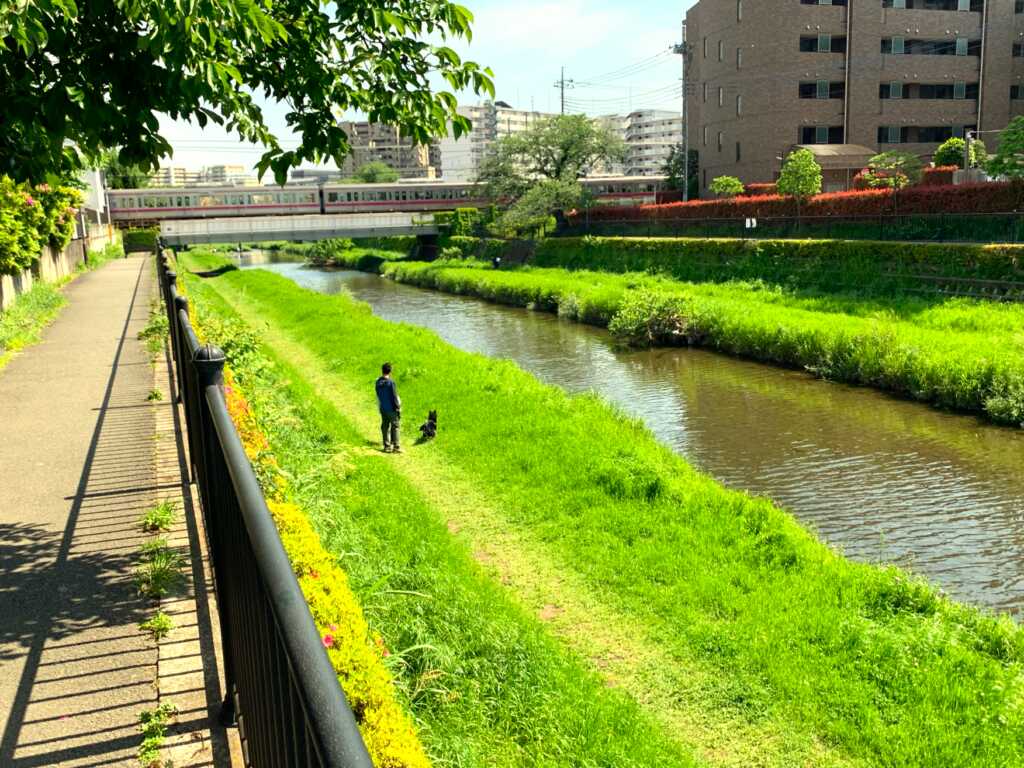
(797, 649)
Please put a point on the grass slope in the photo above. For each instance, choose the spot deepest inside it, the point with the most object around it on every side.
(958, 353)
(803, 657)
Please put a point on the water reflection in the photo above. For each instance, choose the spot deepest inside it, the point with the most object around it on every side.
(883, 479)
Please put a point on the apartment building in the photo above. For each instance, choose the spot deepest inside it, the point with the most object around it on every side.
(229, 174)
(169, 176)
(375, 142)
(872, 75)
(650, 136)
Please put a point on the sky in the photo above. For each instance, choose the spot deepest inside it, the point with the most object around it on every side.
(618, 54)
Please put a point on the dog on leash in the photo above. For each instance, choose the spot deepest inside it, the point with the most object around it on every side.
(429, 428)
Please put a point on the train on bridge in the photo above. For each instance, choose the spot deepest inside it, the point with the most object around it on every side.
(144, 206)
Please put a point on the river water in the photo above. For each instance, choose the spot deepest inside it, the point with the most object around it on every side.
(882, 479)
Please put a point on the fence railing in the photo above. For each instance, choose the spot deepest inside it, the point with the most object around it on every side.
(931, 227)
(281, 687)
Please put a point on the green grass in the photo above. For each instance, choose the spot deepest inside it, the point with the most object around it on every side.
(159, 517)
(24, 321)
(955, 353)
(160, 573)
(158, 625)
(153, 724)
(748, 640)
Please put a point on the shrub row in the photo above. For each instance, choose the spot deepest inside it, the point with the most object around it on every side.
(885, 267)
(967, 198)
(32, 217)
(356, 655)
(139, 239)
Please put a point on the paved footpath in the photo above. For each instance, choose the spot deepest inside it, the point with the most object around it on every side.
(83, 454)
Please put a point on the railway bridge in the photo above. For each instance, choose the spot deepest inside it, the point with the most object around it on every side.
(178, 232)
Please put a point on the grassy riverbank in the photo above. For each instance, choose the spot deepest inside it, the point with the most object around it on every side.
(716, 624)
(955, 353)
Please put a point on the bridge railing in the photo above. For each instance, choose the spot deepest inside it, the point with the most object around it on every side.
(281, 687)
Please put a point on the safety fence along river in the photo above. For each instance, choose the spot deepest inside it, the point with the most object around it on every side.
(281, 687)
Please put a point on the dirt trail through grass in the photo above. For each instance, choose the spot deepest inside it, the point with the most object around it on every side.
(611, 641)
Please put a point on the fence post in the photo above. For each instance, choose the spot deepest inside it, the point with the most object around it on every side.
(208, 364)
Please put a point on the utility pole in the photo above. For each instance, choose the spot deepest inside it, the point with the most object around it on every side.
(562, 84)
(683, 51)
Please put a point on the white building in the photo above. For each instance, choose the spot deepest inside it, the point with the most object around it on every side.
(650, 135)
(491, 121)
(168, 176)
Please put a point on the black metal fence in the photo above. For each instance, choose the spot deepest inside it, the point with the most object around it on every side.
(937, 227)
(280, 683)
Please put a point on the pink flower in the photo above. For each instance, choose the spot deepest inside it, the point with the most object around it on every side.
(29, 201)
(328, 641)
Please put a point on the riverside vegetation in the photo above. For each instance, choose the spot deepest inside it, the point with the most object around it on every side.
(673, 622)
(956, 353)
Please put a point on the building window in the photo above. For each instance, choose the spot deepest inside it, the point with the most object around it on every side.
(739, 155)
(895, 90)
(704, 86)
(821, 134)
(960, 90)
(721, 50)
(961, 46)
(739, 56)
(739, 10)
(721, 96)
(721, 140)
(822, 89)
(1017, 91)
(705, 42)
(823, 2)
(739, 105)
(1018, 50)
(937, 5)
(705, 135)
(822, 44)
(930, 91)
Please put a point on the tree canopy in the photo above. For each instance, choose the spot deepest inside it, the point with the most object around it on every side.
(1008, 161)
(117, 175)
(801, 175)
(537, 172)
(675, 168)
(562, 148)
(894, 170)
(726, 186)
(76, 78)
(376, 172)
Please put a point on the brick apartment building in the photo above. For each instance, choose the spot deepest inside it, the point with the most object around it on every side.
(870, 75)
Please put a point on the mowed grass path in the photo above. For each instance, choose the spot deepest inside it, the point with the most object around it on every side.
(747, 638)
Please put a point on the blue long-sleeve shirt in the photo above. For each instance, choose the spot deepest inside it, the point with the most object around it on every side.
(387, 395)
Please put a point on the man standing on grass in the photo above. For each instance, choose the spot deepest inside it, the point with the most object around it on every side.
(390, 409)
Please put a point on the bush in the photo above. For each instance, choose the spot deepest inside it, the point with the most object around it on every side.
(801, 175)
(940, 176)
(139, 239)
(726, 186)
(31, 218)
(324, 253)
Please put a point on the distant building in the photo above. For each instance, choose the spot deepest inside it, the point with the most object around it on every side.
(765, 75)
(229, 174)
(374, 142)
(175, 177)
(650, 136)
(460, 159)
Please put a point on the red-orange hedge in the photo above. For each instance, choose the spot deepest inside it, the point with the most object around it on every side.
(1002, 197)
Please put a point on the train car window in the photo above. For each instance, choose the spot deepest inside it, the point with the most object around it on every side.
(332, 197)
(188, 201)
(179, 201)
(263, 199)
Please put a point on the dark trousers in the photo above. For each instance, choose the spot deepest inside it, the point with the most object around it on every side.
(389, 428)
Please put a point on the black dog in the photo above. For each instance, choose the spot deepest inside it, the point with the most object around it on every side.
(429, 427)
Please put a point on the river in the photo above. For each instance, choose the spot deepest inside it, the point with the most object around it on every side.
(882, 479)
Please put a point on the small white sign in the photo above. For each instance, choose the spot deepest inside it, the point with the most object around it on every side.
(751, 223)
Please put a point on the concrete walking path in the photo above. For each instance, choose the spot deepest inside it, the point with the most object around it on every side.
(83, 454)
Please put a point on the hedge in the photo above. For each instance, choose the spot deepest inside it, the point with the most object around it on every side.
(1003, 197)
(139, 239)
(820, 264)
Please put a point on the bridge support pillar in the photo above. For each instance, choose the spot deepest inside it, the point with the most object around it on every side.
(427, 248)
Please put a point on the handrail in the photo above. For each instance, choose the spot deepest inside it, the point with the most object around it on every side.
(280, 682)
